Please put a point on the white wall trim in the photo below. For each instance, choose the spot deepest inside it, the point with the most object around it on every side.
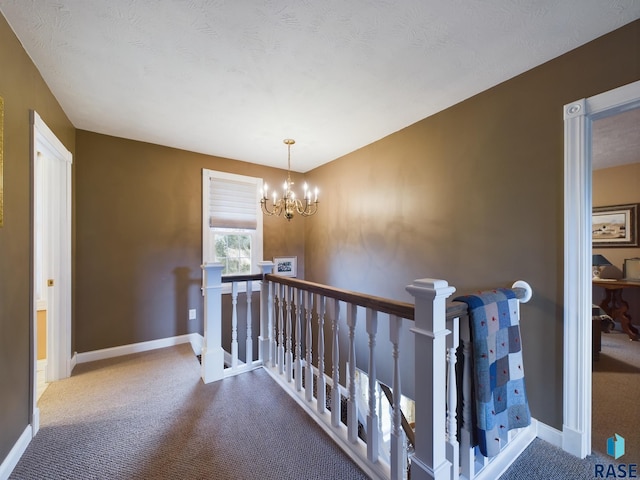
(578, 117)
(16, 452)
(510, 453)
(550, 435)
(194, 338)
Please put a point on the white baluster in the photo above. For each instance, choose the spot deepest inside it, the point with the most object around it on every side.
(397, 438)
(321, 393)
(352, 404)
(467, 456)
(335, 361)
(298, 357)
(372, 416)
(234, 325)
(249, 342)
(308, 385)
(281, 307)
(274, 320)
(266, 314)
(289, 352)
(453, 450)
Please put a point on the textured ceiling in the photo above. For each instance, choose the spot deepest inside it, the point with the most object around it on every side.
(233, 78)
(616, 140)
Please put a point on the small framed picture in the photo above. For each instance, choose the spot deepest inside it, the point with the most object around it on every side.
(286, 266)
(615, 226)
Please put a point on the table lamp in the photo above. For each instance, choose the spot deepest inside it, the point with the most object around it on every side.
(598, 262)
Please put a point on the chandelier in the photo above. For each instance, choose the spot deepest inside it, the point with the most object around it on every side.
(288, 205)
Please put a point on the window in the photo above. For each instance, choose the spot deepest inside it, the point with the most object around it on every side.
(233, 250)
(232, 221)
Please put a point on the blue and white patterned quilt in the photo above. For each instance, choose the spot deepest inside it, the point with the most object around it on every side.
(498, 373)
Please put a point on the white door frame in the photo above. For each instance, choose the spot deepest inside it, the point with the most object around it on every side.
(578, 118)
(58, 195)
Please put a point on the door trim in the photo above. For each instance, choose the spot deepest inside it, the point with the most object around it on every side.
(59, 330)
(578, 118)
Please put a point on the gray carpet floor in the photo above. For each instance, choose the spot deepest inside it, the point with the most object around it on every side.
(149, 416)
(616, 394)
(543, 461)
(616, 390)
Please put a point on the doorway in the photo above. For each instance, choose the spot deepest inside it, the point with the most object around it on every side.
(51, 247)
(577, 386)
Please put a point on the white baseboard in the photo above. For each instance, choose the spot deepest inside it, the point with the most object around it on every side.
(195, 339)
(549, 434)
(9, 463)
(74, 361)
(510, 453)
(575, 442)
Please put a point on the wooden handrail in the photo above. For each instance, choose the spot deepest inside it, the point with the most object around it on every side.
(241, 278)
(385, 305)
(457, 309)
(460, 309)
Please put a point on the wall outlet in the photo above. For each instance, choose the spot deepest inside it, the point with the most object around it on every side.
(192, 314)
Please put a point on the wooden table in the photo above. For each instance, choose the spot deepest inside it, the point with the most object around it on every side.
(615, 306)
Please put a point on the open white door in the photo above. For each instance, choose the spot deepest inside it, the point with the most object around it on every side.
(51, 166)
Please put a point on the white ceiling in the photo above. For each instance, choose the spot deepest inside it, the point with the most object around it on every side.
(616, 140)
(233, 78)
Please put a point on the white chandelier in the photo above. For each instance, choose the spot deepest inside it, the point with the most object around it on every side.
(289, 204)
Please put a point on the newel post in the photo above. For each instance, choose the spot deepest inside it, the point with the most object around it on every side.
(429, 461)
(266, 312)
(212, 353)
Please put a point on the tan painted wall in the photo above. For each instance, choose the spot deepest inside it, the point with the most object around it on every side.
(617, 186)
(23, 89)
(42, 334)
(139, 234)
(473, 195)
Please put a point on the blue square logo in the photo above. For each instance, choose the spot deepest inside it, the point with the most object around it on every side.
(615, 446)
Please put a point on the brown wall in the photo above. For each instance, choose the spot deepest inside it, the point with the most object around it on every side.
(23, 89)
(473, 195)
(617, 186)
(139, 235)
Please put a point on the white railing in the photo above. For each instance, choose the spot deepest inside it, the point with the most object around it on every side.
(300, 321)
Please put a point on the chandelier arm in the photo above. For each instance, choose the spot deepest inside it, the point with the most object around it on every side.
(275, 210)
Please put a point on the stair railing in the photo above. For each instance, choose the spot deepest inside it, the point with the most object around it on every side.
(300, 322)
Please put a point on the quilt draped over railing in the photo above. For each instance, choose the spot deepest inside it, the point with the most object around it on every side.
(498, 373)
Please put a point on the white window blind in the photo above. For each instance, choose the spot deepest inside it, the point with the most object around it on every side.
(232, 204)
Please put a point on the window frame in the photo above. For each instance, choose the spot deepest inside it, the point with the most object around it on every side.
(208, 244)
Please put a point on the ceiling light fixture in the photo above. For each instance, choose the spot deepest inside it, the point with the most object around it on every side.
(288, 205)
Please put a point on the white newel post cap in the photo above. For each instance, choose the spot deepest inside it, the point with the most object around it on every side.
(430, 288)
(266, 267)
(213, 274)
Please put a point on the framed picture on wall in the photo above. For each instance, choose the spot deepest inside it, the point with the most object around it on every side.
(286, 266)
(615, 226)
